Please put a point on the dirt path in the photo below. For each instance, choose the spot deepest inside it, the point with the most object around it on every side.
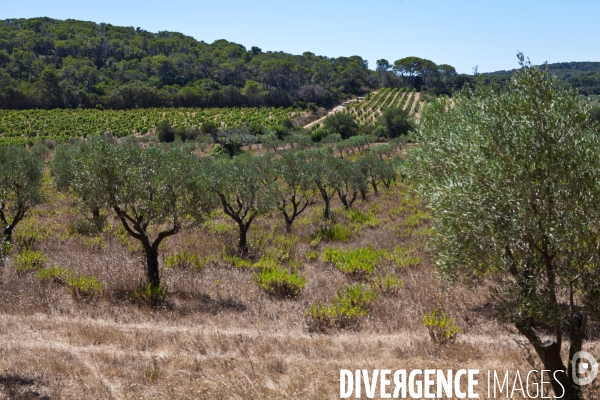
(334, 110)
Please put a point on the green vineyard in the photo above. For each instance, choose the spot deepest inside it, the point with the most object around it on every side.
(367, 110)
(31, 126)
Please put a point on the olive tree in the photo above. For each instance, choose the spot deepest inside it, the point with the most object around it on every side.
(348, 179)
(377, 171)
(242, 191)
(512, 179)
(324, 175)
(232, 139)
(154, 192)
(61, 170)
(294, 186)
(20, 188)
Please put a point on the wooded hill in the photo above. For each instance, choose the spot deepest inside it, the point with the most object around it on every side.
(47, 63)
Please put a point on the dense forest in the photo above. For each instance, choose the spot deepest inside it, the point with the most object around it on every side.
(47, 63)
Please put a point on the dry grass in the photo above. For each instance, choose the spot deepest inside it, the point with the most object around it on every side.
(218, 335)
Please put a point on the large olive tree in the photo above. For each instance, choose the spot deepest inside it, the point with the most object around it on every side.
(513, 182)
(154, 192)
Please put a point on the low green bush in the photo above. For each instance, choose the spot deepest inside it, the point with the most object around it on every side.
(441, 327)
(55, 274)
(29, 260)
(360, 219)
(151, 294)
(85, 287)
(334, 232)
(403, 257)
(388, 284)
(267, 261)
(236, 261)
(345, 312)
(185, 260)
(279, 282)
(359, 263)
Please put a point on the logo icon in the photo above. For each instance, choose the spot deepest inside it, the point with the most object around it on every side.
(589, 363)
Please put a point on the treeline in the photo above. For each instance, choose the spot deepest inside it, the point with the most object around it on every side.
(584, 76)
(421, 74)
(47, 63)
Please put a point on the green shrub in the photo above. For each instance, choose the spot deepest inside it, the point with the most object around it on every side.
(441, 327)
(359, 219)
(185, 260)
(388, 284)
(345, 312)
(151, 293)
(335, 232)
(403, 257)
(29, 260)
(55, 274)
(83, 286)
(236, 261)
(267, 261)
(279, 282)
(311, 255)
(359, 262)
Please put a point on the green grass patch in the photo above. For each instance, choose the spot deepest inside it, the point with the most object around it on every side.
(186, 260)
(345, 311)
(55, 274)
(29, 260)
(86, 287)
(440, 326)
(404, 257)
(151, 294)
(279, 282)
(334, 233)
(358, 263)
(388, 284)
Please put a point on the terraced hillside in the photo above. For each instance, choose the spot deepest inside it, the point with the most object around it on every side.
(367, 110)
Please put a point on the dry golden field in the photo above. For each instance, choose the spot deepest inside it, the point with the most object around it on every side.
(218, 335)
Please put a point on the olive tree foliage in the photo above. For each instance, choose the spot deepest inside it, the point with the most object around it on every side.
(154, 192)
(324, 176)
(294, 186)
(20, 189)
(349, 180)
(232, 139)
(242, 191)
(61, 169)
(377, 171)
(512, 179)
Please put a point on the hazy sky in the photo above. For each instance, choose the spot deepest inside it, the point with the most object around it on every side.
(460, 33)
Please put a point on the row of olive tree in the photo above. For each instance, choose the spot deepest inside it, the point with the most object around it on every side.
(248, 186)
(156, 192)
